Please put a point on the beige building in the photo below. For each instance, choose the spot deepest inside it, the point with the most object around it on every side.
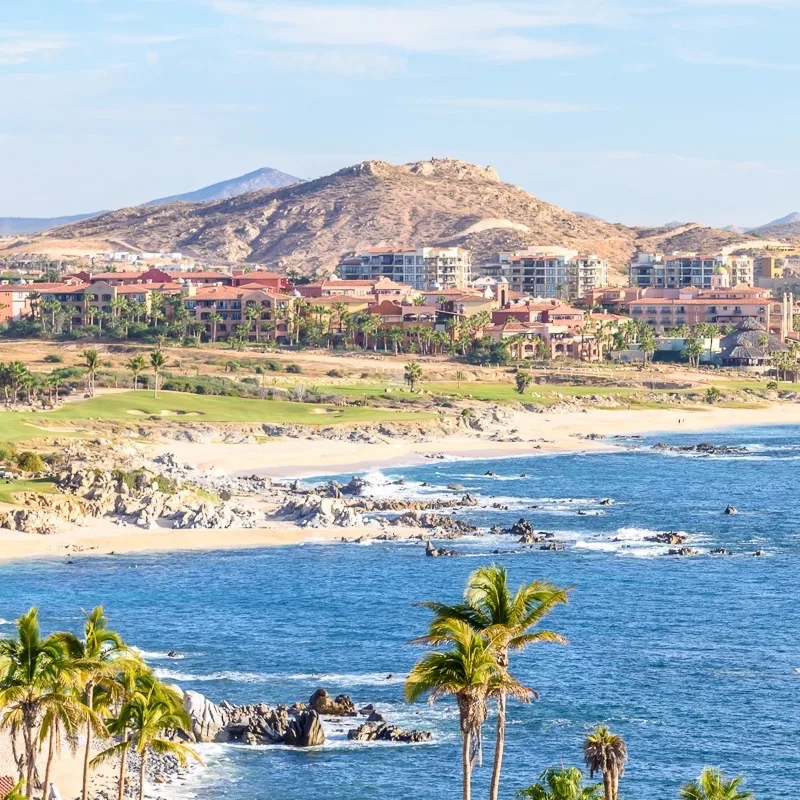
(682, 270)
(421, 268)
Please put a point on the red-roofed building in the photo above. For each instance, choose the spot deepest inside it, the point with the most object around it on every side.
(270, 280)
(222, 310)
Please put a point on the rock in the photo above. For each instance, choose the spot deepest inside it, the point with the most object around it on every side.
(704, 448)
(208, 719)
(382, 732)
(173, 654)
(323, 703)
(760, 553)
(730, 510)
(672, 537)
(606, 501)
(376, 716)
(435, 552)
(719, 551)
(314, 511)
(683, 551)
(305, 730)
(490, 474)
(551, 546)
(455, 487)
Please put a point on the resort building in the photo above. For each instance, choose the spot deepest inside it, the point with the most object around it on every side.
(379, 288)
(420, 268)
(83, 303)
(552, 311)
(681, 270)
(15, 301)
(750, 346)
(221, 310)
(549, 272)
(731, 306)
(269, 280)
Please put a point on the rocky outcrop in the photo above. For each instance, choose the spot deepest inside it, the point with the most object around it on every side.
(383, 732)
(30, 520)
(731, 511)
(340, 706)
(208, 719)
(440, 522)
(314, 511)
(671, 537)
(704, 448)
(435, 552)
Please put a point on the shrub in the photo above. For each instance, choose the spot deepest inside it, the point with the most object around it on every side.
(274, 366)
(335, 373)
(772, 385)
(7, 453)
(295, 369)
(53, 358)
(30, 462)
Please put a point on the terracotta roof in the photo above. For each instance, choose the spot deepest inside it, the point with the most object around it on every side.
(137, 288)
(201, 274)
(223, 292)
(387, 308)
(116, 276)
(7, 784)
(259, 274)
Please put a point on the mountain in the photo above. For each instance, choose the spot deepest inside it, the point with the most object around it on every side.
(309, 226)
(779, 228)
(264, 178)
(19, 226)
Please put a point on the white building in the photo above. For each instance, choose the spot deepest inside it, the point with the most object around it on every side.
(421, 267)
(681, 270)
(549, 272)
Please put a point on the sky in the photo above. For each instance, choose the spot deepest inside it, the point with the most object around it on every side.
(638, 111)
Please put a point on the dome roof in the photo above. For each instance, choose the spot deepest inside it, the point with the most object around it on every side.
(720, 271)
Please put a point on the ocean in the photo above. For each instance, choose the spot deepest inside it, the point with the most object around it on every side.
(694, 660)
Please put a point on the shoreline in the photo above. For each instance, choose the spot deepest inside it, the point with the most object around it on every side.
(545, 434)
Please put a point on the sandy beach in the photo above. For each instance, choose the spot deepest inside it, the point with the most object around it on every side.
(545, 433)
(554, 432)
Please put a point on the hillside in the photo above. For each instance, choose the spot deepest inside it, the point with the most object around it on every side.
(20, 226)
(308, 226)
(788, 226)
(264, 178)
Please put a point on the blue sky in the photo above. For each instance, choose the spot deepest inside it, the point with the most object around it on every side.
(639, 111)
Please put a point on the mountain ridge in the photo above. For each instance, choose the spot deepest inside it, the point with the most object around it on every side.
(308, 226)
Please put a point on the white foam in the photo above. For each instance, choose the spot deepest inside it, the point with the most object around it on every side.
(152, 654)
(5, 621)
(332, 679)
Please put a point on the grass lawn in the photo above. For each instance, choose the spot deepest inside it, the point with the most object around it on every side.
(40, 485)
(492, 392)
(132, 406)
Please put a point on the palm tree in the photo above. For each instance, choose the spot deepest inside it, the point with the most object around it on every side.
(64, 713)
(137, 366)
(523, 380)
(711, 785)
(147, 716)
(506, 618)
(469, 672)
(605, 752)
(28, 665)
(395, 335)
(253, 315)
(91, 361)
(157, 361)
(214, 319)
(412, 374)
(565, 783)
(99, 656)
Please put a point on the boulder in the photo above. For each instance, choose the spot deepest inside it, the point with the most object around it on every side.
(382, 732)
(305, 730)
(208, 719)
(731, 510)
(340, 706)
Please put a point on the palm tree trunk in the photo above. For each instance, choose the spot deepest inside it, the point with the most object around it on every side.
(88, 752)
(51, 747)
(615, 780)
(466, 756)
(123, 763)
(608, 786)
(30, 757)
(498, 747)
(142, 767)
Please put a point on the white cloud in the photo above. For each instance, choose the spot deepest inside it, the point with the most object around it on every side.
(711, 60)
(336, 62)
(490, 30)
(18, 48)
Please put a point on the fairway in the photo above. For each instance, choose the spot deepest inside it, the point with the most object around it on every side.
(495, 392)
(174, 406)
(40, 485)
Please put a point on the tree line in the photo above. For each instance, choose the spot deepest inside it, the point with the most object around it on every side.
(73, 689)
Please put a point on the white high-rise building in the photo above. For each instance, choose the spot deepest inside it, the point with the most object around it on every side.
(421, 267)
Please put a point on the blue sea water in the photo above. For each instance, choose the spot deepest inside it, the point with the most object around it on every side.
(693, 660)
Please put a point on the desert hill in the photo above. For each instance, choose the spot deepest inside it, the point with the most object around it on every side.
(308, 226)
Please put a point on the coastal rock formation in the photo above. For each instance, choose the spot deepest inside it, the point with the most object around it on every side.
(730, 510)
(441, 522)
(383, 732)
(434, 552)
(704, 448)
(207, 718)
(671, 537)
(683, 551)
(313, 511)
(340, 706)
(30, 520)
